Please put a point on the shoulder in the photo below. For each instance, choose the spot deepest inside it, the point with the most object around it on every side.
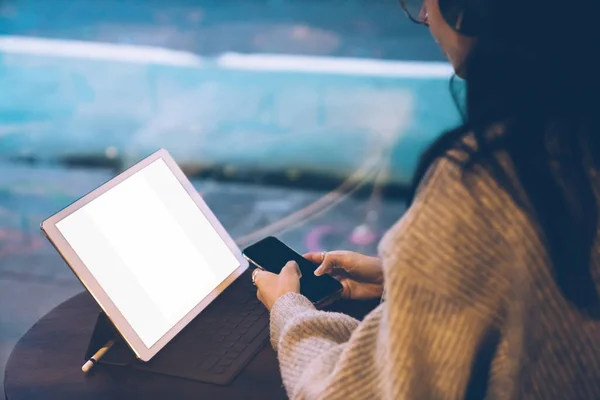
(463, 175)
(456, 237)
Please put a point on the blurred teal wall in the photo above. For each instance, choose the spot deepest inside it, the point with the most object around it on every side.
(318, 114)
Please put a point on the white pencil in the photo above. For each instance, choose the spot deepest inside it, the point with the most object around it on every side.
(92, 361)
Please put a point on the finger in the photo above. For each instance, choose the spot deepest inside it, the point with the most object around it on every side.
(314, 257)
(258, 295)
(291, 269)
(326, 267)
(262, 277)
(253, 275)
(347, 292)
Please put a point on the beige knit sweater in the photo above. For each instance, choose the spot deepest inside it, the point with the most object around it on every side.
(469, 301)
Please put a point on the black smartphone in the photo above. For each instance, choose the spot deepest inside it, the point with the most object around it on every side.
(271, 255)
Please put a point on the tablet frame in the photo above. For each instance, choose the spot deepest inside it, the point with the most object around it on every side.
(93, 287)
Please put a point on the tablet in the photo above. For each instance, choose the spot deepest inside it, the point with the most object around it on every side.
(149, 250)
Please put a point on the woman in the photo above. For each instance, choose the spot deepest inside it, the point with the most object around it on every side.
(492, 276)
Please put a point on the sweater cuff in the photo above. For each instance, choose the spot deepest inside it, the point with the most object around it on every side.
(283, 311)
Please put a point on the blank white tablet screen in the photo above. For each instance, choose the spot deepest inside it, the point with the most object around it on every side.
(150, 248)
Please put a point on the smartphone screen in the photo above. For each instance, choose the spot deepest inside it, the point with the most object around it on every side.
(271, 255)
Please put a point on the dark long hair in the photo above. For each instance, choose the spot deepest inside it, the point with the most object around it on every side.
(535, 70)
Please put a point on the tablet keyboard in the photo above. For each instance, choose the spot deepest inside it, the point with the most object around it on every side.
(220, 341)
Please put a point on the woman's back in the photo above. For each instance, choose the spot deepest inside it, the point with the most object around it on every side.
(489, 289)
(556, 339)
(531, 71)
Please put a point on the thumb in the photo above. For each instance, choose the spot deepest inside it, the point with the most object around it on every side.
(291, 268)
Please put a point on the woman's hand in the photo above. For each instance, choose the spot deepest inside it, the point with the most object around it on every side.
(360, 275)
(271, 286)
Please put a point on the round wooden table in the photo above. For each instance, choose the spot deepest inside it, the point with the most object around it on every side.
(46, 364)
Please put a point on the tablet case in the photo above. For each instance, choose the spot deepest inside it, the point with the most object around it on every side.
(213, 348)
(175, 358)
(119, 354)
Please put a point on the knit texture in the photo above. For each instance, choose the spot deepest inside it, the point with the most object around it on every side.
(471, 311)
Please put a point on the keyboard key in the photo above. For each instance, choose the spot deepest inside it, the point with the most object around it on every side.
(235, 352)
(224, 332)
(239, 347)
(244, 329)
(208, 362)
(253, 332)
(219, 369)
